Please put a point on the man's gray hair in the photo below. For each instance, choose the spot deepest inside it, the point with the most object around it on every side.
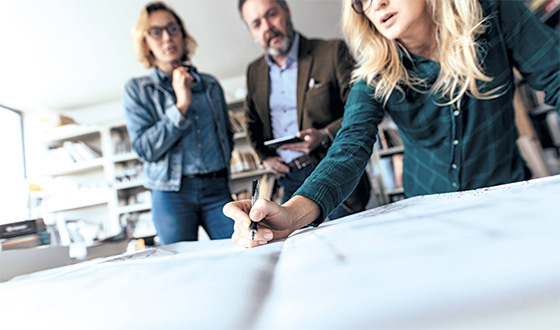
(282, 4)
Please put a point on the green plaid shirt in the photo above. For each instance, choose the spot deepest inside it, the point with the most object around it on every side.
(448, 149)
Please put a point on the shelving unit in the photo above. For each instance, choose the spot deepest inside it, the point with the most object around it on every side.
(241, 176)
(385, 166)
(107, 191)
(538, 123)
(249, 174)
(74, 161)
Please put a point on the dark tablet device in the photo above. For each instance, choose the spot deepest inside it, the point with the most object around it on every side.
(285, 140)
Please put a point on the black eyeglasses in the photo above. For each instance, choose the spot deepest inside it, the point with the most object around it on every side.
(360, 6)
(156, 32)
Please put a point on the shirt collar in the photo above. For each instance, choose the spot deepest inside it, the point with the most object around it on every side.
(292, 53)
(164, 79)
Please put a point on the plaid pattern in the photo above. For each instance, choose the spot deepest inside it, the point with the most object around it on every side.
(446, 148)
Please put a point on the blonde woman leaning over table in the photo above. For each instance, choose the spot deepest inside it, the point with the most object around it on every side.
(442, 69)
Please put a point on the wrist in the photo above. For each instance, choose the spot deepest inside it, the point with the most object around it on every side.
(182, 106)
(302, 211)
(325, 138)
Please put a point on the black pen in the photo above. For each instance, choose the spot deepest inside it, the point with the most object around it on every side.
(254, 197)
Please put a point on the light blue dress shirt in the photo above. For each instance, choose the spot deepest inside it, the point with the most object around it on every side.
(283, 99)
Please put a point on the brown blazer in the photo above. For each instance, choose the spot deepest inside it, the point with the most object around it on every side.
(329, 63)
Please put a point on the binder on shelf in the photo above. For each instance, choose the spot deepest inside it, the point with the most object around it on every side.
(21, 228)
(24, 234)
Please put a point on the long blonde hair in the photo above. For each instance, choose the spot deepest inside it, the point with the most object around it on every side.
(458, 23)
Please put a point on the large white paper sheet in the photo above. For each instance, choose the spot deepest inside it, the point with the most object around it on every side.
(484, 259)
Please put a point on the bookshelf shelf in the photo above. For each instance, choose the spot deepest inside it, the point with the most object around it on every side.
(396, 191)
(76, 168)
(391, 151)
(239, 135)
(73, 203)
(134, 208)
(73, 131)
(249, 174)
(124, 157)
(129, 184)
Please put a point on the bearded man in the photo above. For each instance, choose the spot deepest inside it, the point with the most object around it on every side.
(297, 88)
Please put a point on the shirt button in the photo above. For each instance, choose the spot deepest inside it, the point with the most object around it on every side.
(453, 166)
(199, 145)
(456, 142)
(198, 131)
(454, 184)
(456, 113)
(196, 117)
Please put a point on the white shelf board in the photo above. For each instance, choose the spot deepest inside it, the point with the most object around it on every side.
(391, 151)
(395, 191)
(242, 175)
(65, 203)
(134, 208)
(124, 157)
(239, 135)
(79, 167)
(70, 132)
(128, 184)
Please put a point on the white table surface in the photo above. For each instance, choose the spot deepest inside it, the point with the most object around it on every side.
(482, 259)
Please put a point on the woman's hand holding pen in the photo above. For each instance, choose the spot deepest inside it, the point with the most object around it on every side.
(182, 82)
(274, 221)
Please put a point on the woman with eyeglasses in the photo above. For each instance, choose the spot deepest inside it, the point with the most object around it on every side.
(442, 70)
(179, 126)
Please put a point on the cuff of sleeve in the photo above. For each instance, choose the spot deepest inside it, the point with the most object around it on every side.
(176, 117)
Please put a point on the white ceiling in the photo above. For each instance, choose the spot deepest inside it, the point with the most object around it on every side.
(66, 54)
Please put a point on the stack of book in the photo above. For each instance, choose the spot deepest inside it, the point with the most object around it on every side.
(24, 234)
(243, 161)
(237, 119)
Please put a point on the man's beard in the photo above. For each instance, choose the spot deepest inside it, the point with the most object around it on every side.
(286, 42)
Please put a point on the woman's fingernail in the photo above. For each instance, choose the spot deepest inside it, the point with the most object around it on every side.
(256, 214)
(268, 236)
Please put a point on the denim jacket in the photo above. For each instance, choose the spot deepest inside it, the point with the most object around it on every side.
(156, 127)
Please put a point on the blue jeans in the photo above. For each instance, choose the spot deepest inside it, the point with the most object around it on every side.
(177, 215)
(293, 180)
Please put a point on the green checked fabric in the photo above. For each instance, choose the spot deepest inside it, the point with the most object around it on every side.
(448, 149)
